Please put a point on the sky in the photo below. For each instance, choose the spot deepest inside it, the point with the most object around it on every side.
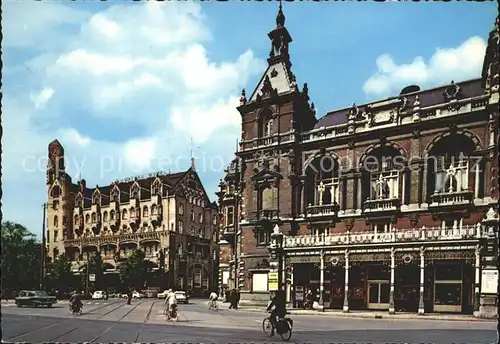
(130, 88)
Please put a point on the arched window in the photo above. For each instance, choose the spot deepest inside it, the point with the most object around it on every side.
(145, 211)
(55, 192)
(124, 214)
(383, 168)
(132, 213)
(105, 216)
(449, 165)
(200, 218)
(156, 187)
(322, 181)
(96, 198)
(94, 217)
(266, 124)
(135, 191)
(76, 220)
(112, 214)
(181, 209)
(56, 221)
(87, 218)
(154, 209)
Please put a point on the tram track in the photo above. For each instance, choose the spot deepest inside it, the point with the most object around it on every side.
(144, 322)
(114, 323)
(27, 333)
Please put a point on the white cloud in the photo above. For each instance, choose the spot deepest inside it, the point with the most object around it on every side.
(143, 65)
(42, 97)
(461, 63)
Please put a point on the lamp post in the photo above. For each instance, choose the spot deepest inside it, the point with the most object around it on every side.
(276, 250)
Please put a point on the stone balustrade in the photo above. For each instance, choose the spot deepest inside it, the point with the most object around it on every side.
(97, 241)
(395, 236)
(322, 210)
(451, 198)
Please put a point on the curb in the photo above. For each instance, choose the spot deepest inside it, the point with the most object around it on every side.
(377, 316)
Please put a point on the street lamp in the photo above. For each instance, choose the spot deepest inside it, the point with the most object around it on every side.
(276, 250)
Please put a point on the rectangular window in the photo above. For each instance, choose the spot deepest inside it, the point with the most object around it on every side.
(448, 272)
(56, 236)
(452, 175)
(448, 294)
(263, 237)
(205, 282)
(384, 185)
(181, 227)
(197, 278)
(48, 236)
(259, 281)
(229, 216)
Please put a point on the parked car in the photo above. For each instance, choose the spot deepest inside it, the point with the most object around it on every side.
(99, 295)
(35, 298)
(182, 297)
(163, 294)
(137, 295)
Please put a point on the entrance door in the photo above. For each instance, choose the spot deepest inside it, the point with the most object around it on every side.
(378, 294)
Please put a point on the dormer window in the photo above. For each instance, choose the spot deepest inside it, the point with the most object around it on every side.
(96, 198)
(76, 220)
(132, 213)
(135, 191)
(124, 214)
(55, 204)
(87, 218)
(112, 214)
(79, 200)
(156, 188)
(94, 217)
(145, 211)
(55, 192)
(115, 195)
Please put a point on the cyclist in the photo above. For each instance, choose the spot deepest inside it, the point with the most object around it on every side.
(170, 301)
(75, 301)
(279, 311)
(213, 299)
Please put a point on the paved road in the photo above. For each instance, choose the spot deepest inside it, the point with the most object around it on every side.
(114, 321)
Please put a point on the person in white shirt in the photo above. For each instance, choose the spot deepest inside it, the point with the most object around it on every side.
(170, 300)
(213, 298)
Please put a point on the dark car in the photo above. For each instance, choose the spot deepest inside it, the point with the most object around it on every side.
(35, 298)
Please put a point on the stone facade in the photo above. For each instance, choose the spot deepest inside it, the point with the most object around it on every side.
(414, 175)
(168, 216)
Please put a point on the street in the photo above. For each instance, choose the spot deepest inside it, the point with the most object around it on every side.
(115, 321)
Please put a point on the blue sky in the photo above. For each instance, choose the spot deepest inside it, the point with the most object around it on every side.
(124, 86)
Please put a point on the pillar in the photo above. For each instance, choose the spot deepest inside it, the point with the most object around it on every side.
(349, 193)
(346, 283)
(321, 279)
(358, 198)
(477, 266)
(476, 182)
(291, 288)
(421, 306)
(392, 310)
(424, 180)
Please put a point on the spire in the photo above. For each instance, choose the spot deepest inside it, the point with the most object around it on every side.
(280, 18)
(491, 66)
(191, 154)
(280, 39)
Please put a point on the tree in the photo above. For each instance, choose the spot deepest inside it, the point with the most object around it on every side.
(96, 267)
(21, 253)
(134, 270)
(59, 274)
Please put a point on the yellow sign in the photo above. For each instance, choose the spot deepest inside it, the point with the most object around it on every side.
(272, 281)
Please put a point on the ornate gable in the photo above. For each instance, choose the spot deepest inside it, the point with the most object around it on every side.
(96, 197)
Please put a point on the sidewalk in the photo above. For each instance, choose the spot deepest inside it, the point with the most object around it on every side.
(375, 314)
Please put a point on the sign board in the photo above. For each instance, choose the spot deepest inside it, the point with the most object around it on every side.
(92, 278)
(225, 277)
(272, 281)
(489, 281)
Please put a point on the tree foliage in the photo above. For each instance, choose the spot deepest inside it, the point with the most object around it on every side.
(96, 267)
(133, 271)
(21, 253)
(59, 274)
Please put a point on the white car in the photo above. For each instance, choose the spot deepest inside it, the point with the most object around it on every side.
(181, 297)
(99, 295)
(137, 295)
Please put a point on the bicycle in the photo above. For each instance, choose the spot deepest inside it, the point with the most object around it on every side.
(213, 305)
(284, 327)
(171, 316)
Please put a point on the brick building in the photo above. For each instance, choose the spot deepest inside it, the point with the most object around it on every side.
(390, 205)
(168, 216)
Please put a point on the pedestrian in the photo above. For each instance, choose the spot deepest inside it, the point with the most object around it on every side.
(129, 296)
(231, 297)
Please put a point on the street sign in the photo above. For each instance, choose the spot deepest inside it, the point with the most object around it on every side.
(92, 278)
(272, 281)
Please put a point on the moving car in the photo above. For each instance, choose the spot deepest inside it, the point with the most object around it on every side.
(137, 295)
(181, 297)
(99, 295)
(35, 298)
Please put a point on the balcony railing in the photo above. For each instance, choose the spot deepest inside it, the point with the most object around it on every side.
(397, 235)
(113, 238)
(264, 141)
(381, 205)
(322, 210)
(451, 198)
(267, 215)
